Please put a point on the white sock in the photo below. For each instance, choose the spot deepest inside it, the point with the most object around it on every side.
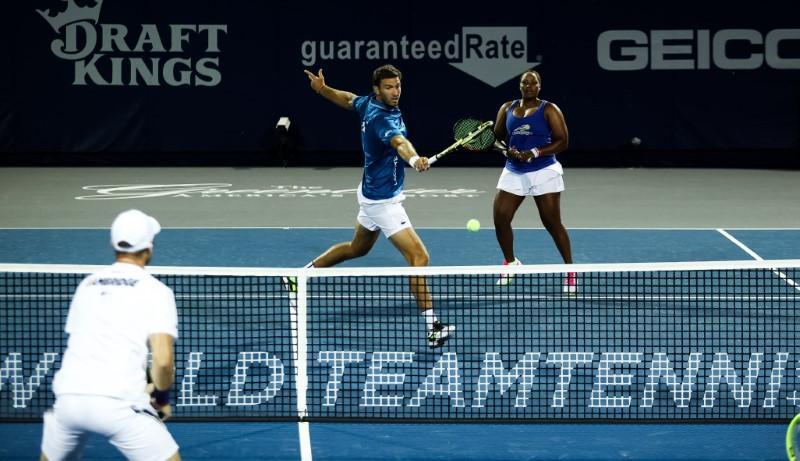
(311, 264)
(430, 318)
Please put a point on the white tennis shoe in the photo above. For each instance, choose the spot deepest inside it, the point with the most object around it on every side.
(505, 279)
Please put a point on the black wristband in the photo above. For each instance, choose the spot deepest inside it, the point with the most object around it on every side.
(161, 397)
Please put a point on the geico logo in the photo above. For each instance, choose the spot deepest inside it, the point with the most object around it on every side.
(729, 49)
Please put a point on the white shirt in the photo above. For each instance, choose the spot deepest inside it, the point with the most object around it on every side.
(112, 314)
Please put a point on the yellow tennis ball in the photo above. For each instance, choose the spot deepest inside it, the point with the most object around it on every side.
(473, 225)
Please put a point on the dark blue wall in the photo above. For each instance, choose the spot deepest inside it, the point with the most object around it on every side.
(697, 91)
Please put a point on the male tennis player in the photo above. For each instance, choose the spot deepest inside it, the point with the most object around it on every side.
(530, 132)
(117, 316)
(380, 193)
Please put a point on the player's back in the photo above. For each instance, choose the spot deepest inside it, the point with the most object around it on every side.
(111, 316)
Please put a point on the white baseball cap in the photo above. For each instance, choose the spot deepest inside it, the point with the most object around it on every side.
(133, 231)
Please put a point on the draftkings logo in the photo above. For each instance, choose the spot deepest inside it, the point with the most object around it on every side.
(148, 54)
(493, 55)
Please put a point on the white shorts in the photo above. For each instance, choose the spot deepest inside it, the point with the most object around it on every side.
(136, 432)
(548, 180)
(390, 218)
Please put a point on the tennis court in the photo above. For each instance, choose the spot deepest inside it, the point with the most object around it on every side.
(364, 319)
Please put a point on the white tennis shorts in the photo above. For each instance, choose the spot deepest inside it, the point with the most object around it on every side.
(136, 432)
(548, 180)
(390, 218)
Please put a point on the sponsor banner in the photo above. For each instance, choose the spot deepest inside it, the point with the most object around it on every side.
(112, 78)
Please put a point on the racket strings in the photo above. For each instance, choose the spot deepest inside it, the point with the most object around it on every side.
(465, 127)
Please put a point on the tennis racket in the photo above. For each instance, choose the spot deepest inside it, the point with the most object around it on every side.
(791, 436)
(470, 134)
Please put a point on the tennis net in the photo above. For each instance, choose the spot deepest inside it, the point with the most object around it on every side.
(709, 341)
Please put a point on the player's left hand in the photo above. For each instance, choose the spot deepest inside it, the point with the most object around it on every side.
(515, 154)
(317, 82)
(164, 411)
(422, 164)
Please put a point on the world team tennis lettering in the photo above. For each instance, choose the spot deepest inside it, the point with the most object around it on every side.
(384, 384)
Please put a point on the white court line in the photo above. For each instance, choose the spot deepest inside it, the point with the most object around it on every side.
(416, 227)
(757, 257)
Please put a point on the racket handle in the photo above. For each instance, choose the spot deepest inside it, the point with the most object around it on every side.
(434, 158)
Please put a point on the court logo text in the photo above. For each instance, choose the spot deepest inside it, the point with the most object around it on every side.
(227, 190)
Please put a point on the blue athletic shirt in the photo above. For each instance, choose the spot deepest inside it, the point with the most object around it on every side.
(384, 170)
(526, 133)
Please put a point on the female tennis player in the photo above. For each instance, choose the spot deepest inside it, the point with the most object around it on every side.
(530, 132)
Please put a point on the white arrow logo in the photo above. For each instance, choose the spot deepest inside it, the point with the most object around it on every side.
(494, 55)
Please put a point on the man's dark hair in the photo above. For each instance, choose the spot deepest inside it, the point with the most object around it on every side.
(385, 71)
(137, 254)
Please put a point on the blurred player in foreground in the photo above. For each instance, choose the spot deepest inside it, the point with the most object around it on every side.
(117, 316)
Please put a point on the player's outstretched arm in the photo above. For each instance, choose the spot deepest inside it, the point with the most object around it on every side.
(407, 152)
(340, 98)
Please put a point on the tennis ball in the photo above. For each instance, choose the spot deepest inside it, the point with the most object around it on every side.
(473, 225)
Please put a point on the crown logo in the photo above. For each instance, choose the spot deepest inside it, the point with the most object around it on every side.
(73, 13)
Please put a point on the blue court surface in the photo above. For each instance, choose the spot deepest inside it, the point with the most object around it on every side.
(283, 247)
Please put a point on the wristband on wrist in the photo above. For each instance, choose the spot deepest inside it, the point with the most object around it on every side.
(413, 161)
(534, 154)
(161, 397)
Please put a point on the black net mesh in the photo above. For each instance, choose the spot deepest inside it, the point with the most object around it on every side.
(667, 344)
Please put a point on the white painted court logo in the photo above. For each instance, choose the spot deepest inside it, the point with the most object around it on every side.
(493, 55)
(153, 55)
(227, 190)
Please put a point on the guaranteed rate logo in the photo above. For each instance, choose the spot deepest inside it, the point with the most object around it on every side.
(149, 54)
(493, 55)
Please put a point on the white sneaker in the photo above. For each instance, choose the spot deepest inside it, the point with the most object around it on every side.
(439, 334)
(571, 284)
(505, 279)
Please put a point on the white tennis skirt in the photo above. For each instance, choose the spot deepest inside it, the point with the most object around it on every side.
(548, 180)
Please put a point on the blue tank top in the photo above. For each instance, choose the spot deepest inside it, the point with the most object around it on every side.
(384, 171)
(526, 133)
